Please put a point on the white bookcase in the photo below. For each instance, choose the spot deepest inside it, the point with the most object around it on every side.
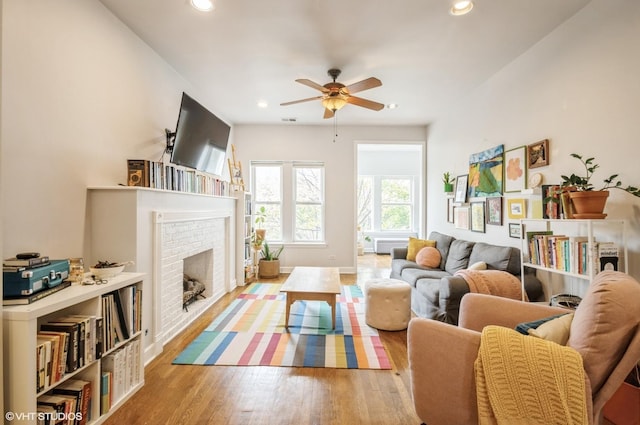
(592, 231)
(20, 326)
(246, 272)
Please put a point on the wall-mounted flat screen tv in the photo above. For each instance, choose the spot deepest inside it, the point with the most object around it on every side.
(201, 138)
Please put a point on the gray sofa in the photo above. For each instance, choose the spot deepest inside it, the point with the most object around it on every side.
(436, 293)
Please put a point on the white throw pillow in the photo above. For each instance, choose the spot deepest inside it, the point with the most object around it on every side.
(480, 265)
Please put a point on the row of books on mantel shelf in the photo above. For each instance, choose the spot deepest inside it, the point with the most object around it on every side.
(571, 253)
(158, 175)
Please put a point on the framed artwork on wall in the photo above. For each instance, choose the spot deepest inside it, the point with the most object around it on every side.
(461, 217)
(516, 208)
(461, 188)
(515, 173)
(538, 154)
(486, 172)
(494, 210)
(450, 210)
(477, 217)
(515, 230)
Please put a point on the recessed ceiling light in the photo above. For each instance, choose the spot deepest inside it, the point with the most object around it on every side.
(392, 105)
(202, 5)
(262, 104)
(461, 7)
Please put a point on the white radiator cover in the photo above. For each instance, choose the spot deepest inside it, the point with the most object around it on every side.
(384, 245)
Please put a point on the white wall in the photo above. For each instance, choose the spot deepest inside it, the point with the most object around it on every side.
(81, 93)
(300, 142)
(578, 87)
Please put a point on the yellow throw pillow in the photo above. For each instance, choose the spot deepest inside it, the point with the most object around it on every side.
(428, 257)
(556, 330)
(416, 245)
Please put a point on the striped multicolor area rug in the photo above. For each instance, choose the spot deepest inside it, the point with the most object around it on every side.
(251, 332)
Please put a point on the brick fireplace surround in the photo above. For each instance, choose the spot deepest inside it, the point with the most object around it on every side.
(195, 243)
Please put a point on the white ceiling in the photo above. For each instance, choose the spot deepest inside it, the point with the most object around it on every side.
(250, 50)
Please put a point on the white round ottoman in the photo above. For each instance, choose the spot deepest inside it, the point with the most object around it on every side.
(387, 304)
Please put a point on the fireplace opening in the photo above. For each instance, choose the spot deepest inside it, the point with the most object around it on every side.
(192, 290)
(197, 278)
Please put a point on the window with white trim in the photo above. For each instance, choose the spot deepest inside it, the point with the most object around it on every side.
(386, 203)
(292, 194)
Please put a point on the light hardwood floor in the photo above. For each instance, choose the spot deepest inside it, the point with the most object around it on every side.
(179, 394)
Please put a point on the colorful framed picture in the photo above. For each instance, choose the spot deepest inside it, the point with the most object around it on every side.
(515, 230)
(450, 210)
(515, 169)
(538, 154)
(494, 210)
(486, 172)
(477, 217)
(461, 217)
(461, 188)
(516, 208)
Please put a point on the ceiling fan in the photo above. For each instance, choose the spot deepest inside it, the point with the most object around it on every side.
(335, 95)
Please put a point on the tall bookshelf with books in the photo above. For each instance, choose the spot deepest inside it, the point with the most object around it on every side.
(244, 221)
(77, 351)
(578, 249)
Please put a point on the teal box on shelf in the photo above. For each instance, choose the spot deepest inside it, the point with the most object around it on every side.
(21, 281)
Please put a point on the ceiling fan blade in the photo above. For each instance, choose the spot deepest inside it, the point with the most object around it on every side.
(367, 84)
(328, 113)
(301, 100)
(312, 84)
(369, 104)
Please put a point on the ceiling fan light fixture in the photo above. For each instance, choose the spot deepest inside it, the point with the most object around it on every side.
(334, 103)
(202, 5)
(461, 7)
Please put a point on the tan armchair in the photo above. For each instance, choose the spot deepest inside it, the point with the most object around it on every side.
(605, 331)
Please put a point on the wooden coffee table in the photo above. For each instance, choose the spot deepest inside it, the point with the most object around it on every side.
(312, 284)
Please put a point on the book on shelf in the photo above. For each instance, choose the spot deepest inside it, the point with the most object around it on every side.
(106, 379)
(26, 262)
(43, 364)
(62, 348)
(138, 172)
(81, 391)
(62, 404)
(608, 256)
(72, 331)
(83, 334)
(28, 299)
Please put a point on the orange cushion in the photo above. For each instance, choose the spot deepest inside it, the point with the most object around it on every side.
(416, 245)
(428, 257)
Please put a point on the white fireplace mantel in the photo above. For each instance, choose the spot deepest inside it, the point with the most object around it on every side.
(121, 226)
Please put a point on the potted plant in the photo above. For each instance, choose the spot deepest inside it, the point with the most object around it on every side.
(586, 200)
(260, 233)
(448, 180)
(269, 265)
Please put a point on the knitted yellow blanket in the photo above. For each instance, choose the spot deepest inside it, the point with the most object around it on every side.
(527, 380)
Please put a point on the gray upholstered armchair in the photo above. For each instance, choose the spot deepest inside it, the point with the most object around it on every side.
(605, 331)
